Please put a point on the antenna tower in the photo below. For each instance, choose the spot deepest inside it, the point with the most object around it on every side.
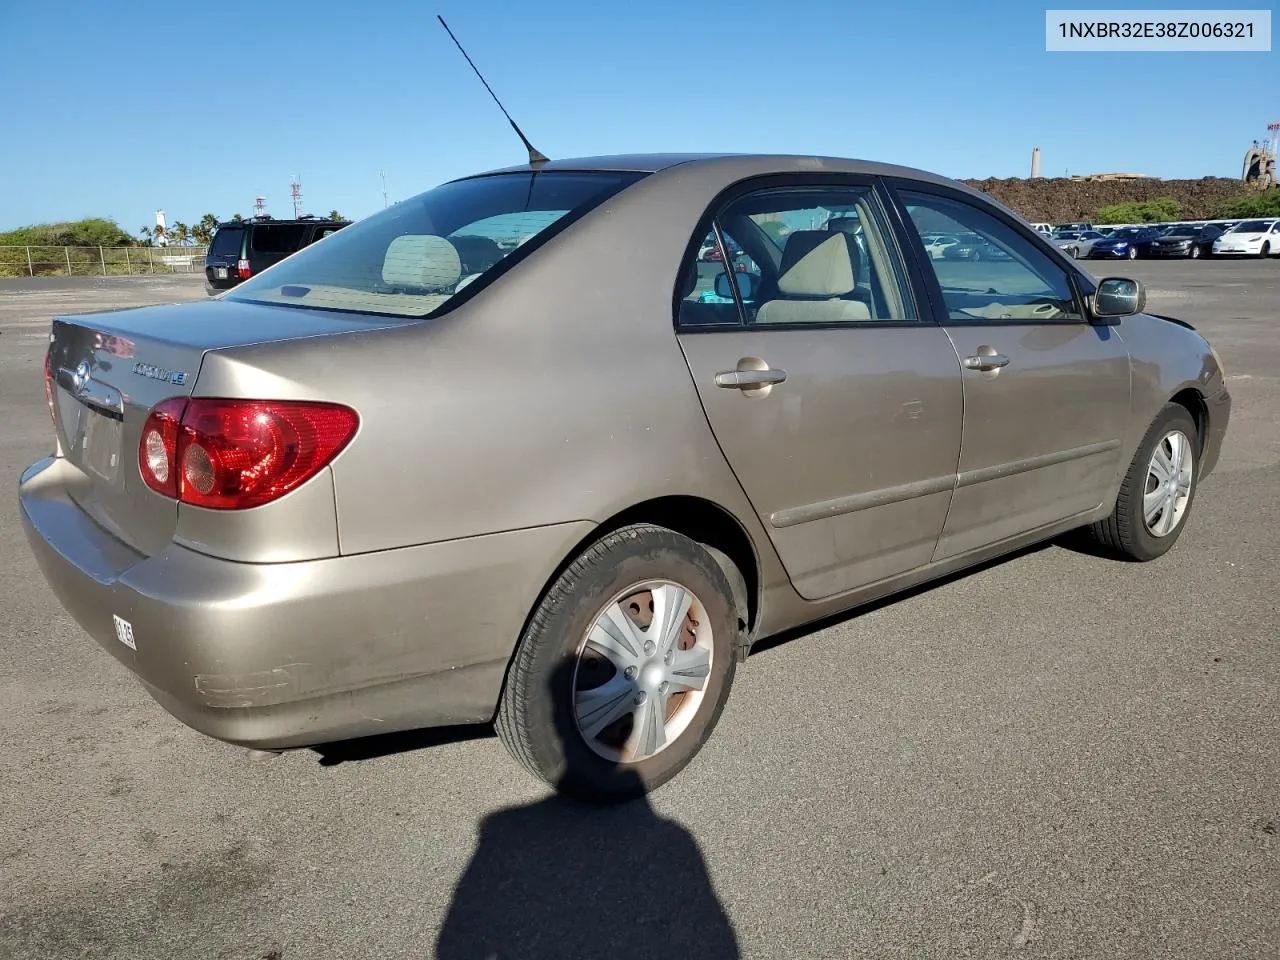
(1274, 129)
(295, 191)
(260, 207)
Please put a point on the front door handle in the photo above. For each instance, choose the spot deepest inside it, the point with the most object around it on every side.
(749, 379)
(992, 361)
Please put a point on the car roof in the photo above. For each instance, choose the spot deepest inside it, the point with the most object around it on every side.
(272, 221)
(732, 163)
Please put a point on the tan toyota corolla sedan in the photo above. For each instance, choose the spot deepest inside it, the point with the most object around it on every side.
(551, 447)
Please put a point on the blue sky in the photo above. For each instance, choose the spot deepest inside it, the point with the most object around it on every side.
(117, 109)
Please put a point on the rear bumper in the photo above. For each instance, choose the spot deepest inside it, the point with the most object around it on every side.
(293, 654)
(1218, 408)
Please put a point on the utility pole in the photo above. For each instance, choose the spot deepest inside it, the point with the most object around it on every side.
(295, 189)
(383, 174)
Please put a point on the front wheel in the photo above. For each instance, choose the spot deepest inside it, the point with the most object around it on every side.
(1265, 251)
(1156, 495)
(1133, 253)
(624, 668)
(1195, 252)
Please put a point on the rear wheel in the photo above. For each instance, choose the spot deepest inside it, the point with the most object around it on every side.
(624, 668)
(1156, 495)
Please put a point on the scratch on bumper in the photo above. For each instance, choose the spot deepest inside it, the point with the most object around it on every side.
(248, 689)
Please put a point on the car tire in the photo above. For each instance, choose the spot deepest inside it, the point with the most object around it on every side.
(1127, 532)
(1075, 252)
(1133, 253)
(589, 748)
(1265, 251)
(1195, 252)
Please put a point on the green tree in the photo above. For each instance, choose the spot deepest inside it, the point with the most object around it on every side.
(1159, 210)
(236, 217)
(1265, 204)
(90, 232)
(204, 230)
(335, 215)
(179, 232)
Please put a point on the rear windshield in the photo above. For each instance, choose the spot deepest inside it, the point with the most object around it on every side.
(226, 242)
(412, 258)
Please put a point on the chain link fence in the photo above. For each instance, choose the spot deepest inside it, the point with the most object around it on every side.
(98, 261)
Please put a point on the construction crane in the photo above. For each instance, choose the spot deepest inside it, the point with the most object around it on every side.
(1260, 160)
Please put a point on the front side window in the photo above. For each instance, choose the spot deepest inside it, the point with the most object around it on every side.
(411, 259)
(993, 273)
(810, 255)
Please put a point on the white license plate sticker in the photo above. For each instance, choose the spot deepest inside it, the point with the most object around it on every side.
(221, 272)
(124, 632)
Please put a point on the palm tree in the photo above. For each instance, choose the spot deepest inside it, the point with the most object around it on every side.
(145, 233)
(204, 230)
(180, 232)
(335, 215)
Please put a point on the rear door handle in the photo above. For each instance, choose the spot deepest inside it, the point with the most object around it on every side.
(991, 361)
(747, 379)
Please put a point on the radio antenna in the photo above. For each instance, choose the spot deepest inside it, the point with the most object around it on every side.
(534, 155)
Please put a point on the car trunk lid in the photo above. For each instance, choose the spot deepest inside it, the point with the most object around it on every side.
(107, 371)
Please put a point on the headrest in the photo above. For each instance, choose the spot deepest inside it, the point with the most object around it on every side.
(844, 225)
(478, 254)
(421, 260)
(816, 263)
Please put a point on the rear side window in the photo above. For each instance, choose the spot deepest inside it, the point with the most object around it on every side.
(226, 242)
(412, 258)
(278, 237)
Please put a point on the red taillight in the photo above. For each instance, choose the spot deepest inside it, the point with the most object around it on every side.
(235, 454)
(158, 448)
(242, 267)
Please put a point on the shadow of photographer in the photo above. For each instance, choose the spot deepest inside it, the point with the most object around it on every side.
(563, 879)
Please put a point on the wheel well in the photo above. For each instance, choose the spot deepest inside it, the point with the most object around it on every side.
(699, 520)
(1191, 400)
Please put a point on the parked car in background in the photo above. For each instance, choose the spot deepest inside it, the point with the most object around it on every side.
(1252, 238)
(1076, 243)
(1128, 243)
(937, 244)
(971, 246)
(1192, 240)
(365, 491)
(244, 248)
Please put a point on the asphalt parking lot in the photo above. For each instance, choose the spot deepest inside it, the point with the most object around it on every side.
(1054, 756)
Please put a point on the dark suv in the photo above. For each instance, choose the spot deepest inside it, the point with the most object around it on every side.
(242, 248)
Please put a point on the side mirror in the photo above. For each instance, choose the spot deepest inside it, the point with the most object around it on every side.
(746, 285)
(1119, 297)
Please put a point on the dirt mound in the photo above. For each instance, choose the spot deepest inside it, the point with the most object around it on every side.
(1057, 200)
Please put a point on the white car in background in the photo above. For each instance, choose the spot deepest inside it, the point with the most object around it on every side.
(1257, 238)
(1077, 243)
(936, 244)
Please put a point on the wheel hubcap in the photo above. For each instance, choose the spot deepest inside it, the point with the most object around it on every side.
(1168, 486)
(642, 671)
